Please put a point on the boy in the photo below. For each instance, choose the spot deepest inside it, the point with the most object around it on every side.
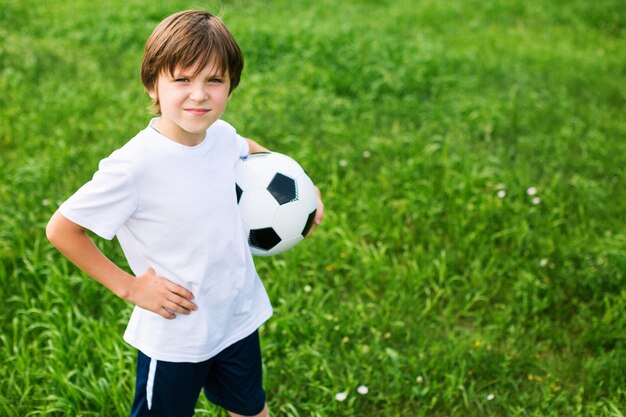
(168, 195)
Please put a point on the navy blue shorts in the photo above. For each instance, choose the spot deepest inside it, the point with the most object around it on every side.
(232, 380)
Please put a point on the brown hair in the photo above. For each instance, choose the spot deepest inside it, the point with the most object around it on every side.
(186, 39)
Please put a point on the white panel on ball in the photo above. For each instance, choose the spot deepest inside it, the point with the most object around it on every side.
(253, 217)
(249, 176)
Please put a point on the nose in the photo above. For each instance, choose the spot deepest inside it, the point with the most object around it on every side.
(199, 93)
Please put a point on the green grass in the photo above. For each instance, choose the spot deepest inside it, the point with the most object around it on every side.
(435, 279)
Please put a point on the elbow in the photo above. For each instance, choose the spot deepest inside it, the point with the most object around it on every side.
(54, 229)
(60, 230)
(51, 232)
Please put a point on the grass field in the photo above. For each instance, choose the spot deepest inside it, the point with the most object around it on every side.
(472, 160)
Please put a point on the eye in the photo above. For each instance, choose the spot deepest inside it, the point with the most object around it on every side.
(181, 80)
(216, 80)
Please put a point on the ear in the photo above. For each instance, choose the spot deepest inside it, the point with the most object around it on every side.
(152, 93)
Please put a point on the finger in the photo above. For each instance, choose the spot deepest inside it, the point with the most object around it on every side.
(319, 216)
(164, 312)
(175, 308)
(313, 227)
(181, 291)
(177, 300)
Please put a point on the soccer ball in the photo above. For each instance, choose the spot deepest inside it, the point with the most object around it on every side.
(277, 201)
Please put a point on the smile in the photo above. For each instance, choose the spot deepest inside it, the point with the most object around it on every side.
(197, 112)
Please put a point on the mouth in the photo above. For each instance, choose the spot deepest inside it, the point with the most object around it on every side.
(197, 111)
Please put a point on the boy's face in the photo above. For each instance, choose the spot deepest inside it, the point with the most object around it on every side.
(190, 104)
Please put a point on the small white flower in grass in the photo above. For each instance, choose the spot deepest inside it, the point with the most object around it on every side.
(543, 262)
(501, 194)
(531, 191)
(362, 390)
(308, 288)
(341, 396)
(536, 200)
(367, 154)
(419, 379)
(490, 397)
(343, 163)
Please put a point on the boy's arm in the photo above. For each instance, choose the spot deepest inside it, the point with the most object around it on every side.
(255, 147)
(319, 215)
(148, 290)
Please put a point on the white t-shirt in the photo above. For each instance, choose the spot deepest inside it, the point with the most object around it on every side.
(174, 208)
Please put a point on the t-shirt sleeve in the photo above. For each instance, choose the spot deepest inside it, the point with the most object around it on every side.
(235, 145)
(243, 147)
(103, 204)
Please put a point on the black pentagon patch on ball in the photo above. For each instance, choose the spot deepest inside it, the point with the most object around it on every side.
(283, 189)
(264, 239)
(309, 223)
(239, 191)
